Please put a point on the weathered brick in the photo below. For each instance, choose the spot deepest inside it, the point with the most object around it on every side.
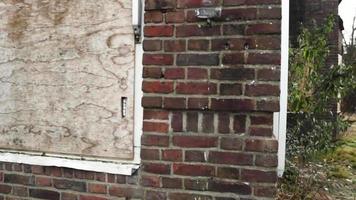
(261, 90)
(208, 123)
(174, 73)
(197, 59)
(233, 187)
(234, 29)
(196, 88)
(88, 197)
(69, 185)
(268, 75)
(228, 173)
(192, 121)
(177, 122)
(268, 105)
(175, 155)
(124, 191)
(157, 87)
(198, 45)
(224, 123)
(175, 17)
(196, 30)
(196, 184)
(43, 181)
(68, 173)
(155, 114)
(97, 188)
(231, 143)
(174, 103)
(264, 58)
(152, 45)
(232, 105)
(157, 59)
(268, 28)
(155, 195)
(18, 179)
(5, 189)
(188, 196)
(195, 141)
(193, 170)
(152, 102)
(174, 45)
(197, 3)
(150, 181)
(233, 58)
(150, 154)
(261, 145)
(53, 171)
(229, 44)
(152, 72)
(231, 89)
(44, 194)
(195, 156)
(250, 2)
(160, 5)
(238, 14)
(266, 119)
(80, 174)
(233, 74)
(155, 140)
(158, 31)
(35, 169)
(156, 168)
(261, 131)
(258, 176)
(198, 103)
(266, 160)
(153, 17)
(230, 158)
(265, 42)
(239, 124)
(174, 183)
(68, 196)
(157, 127)
(269, 13)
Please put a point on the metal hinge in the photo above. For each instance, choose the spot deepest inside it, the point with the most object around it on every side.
(137, 34)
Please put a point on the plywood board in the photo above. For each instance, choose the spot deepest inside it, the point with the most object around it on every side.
(64, 67)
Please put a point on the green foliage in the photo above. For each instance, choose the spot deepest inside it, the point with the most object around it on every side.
(312, 87)
(305, 64)
(308, 134)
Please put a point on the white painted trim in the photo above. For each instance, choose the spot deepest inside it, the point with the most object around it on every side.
(136, 12)
(284, 88)
(97, 166)
(124, 167)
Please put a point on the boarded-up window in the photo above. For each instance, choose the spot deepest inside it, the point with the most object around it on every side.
(65, 66)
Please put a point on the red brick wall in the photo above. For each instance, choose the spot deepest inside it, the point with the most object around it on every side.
(209, 96)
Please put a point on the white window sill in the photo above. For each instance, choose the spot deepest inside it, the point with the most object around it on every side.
(105, 166)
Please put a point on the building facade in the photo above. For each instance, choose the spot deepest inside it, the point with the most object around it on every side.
(210, 88)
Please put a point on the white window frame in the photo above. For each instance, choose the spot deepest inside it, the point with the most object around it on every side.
(123, 167)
